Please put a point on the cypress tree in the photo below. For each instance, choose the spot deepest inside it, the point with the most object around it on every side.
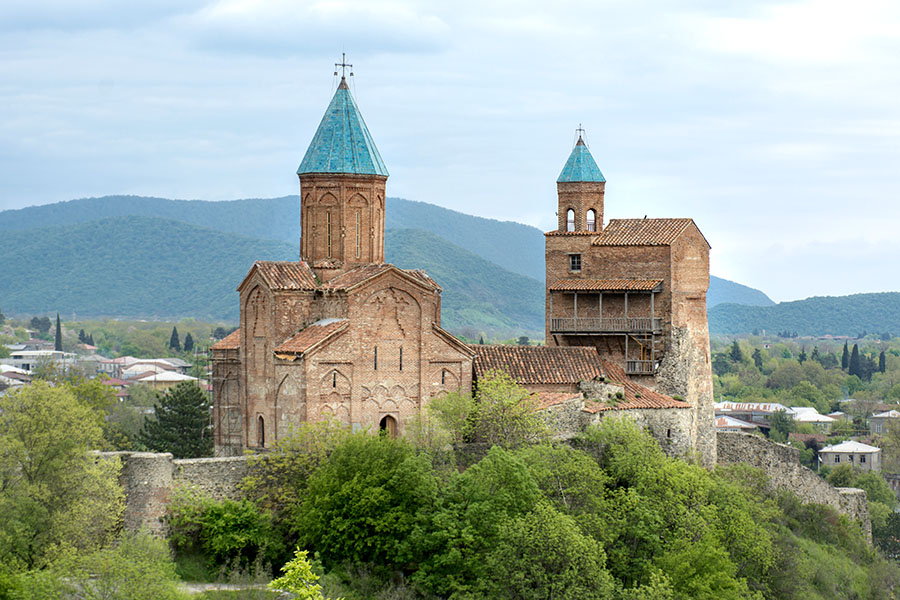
(90, 339)
(855, 367)
(174, 342)
(757, 359)
(882, 362)
(188, 342)
(802, 358)
(58, 344)
(845, 358)
(82, 338)
(737, 355)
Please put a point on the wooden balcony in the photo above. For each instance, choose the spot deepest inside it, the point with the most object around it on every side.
(606, 325)
(640, 367)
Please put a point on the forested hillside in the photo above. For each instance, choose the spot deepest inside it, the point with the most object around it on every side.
(836, 315)
(722, 291)
(154, 268)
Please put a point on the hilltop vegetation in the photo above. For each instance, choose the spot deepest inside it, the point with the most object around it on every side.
(835, 315)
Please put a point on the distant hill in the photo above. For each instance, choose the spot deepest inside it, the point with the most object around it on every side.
(836, 315)
(515, 247)
(478, 295)
(154, 268)
(722, 291)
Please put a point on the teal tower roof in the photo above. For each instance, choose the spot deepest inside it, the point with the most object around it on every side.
(580, 166)
(342, 143)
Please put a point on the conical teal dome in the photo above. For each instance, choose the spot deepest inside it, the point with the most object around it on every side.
(342, 143)
(580, 166)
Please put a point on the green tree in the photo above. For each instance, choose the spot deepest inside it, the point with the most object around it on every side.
(82, 337)
(174, 342)
(2, 318)
(299, 579)
(40, 324)
(53, 493)
(757, 359)
(181, 424)
(362, 504)
(543, 554)
(188, 343)
(506, 413)
(802, 357)
(782, 424)
(855, 366)
(737, 355)
(882, 362)
(58, 339)
(845, 358)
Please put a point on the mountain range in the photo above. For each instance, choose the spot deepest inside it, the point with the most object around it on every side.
(132, 256)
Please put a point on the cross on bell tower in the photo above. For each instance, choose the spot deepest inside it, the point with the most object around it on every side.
(343, 66)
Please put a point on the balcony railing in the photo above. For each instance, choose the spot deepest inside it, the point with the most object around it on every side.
(640, 367)
(614, 324)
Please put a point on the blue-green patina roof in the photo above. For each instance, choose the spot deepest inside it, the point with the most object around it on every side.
(342, 143)
(580, 166)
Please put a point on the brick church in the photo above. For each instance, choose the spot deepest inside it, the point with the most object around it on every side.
(340, 334)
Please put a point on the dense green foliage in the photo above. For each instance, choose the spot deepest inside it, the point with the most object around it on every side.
(610, 517)
(53, 494)
(840, 315)
(138, 567)
(181, 423)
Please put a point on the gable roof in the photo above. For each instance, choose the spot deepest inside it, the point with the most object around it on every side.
(363, 273)
(232, 341)
(641, 232)
(311, 336)
(342, 143)
(283, 275)
(606, 285)
(539, 364)
(850, 447)
(580, 166)
(636, 396)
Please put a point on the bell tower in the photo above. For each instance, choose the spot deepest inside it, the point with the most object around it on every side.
(579, 189)
(342, 190)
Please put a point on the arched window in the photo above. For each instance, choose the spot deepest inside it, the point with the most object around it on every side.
(401, 358)
(334, 379)
(376, 358)
(260, 432)
(591, 220)
(443, 377)
(570, 220)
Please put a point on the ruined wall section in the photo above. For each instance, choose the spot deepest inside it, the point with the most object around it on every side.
(227, 411)
(782, 465)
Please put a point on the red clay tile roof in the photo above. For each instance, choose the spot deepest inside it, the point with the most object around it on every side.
(232, 341)
(312, 335)
(548, 399)
(647, 399)
(363, 273)
(539, 364)
(558, 232)
(286, 275)
(605, 285)
(641, 232)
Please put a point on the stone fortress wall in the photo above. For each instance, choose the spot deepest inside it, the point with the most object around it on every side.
(150, 478)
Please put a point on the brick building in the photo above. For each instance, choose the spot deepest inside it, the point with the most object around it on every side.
(339, 333)
(634, 289)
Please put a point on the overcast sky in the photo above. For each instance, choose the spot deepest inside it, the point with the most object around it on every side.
(775, 125)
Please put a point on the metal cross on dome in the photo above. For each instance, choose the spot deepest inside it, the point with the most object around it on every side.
(579, 130)
(343, 66)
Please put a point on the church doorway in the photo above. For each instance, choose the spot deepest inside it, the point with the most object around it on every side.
(388, 425)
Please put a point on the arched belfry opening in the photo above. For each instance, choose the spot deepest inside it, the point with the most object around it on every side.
(388, 424)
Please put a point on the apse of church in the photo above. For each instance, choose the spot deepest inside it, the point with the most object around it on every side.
(338, 334)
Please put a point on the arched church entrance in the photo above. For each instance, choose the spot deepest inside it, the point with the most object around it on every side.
(388, 425)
